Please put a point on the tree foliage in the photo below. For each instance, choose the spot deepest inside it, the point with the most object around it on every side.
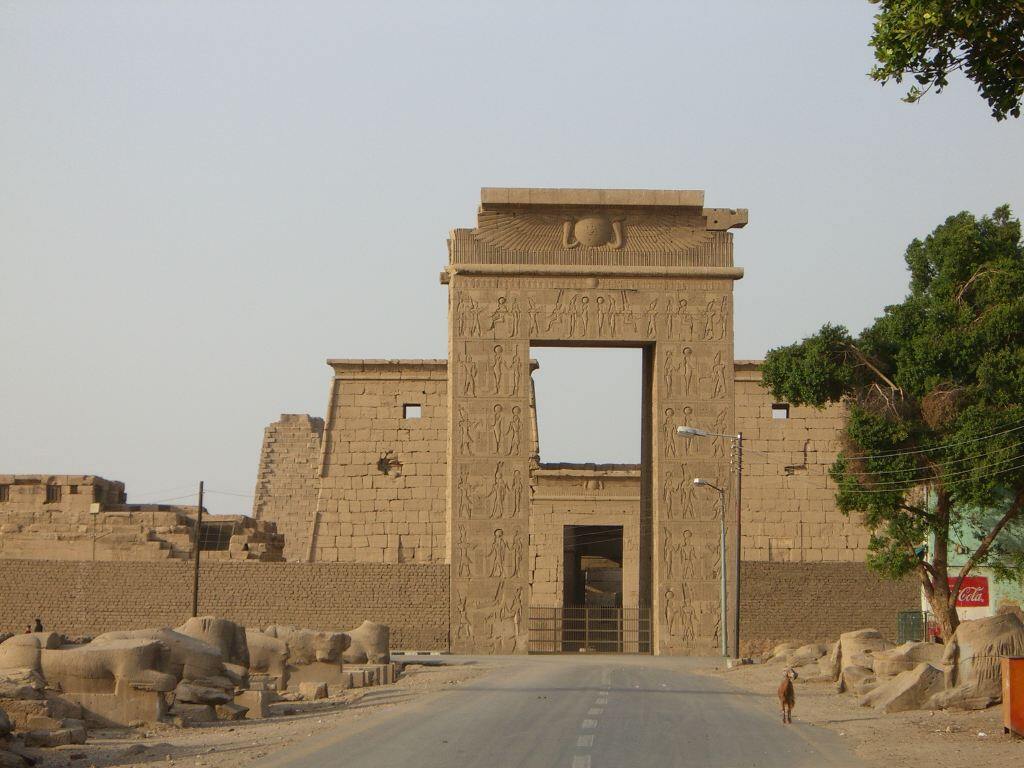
(934, 389)
(927, 40)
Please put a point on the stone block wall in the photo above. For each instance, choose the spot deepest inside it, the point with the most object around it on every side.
(582, 495)
(789, 511)
(288, 482)
(815, 602)
(57, 493)
(382, 487)
(87, 598)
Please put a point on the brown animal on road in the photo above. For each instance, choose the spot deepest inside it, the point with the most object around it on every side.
(787, 696)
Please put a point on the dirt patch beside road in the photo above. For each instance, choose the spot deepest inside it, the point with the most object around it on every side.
(943, 739)
(233, 744)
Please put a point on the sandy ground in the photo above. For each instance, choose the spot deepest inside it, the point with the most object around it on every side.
(232, 744)
(946, 739)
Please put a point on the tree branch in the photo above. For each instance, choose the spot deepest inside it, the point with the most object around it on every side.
(986, 543)
(864, 359)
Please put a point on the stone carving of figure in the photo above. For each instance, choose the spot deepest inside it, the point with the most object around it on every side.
(718, 377)
(689, 443)
(557, 314)
(672, 367)
(686, 495)
(714, 319)
(583, 316)
(605, 316)
(688, 372)
(512, 610)
(680, 321)
(712, 560)
(498, 429)
(468, 315)
(687, 554)
(463, 626)
(651, 315)
(516, 315)
(462, 550)
(533, 312)
(515, 552)
(465, 429)
(465, 493)
(501, 318)
(498, 493)
(469, 370)
(497, 554)
(515, 491)
(668, 428)
(668, 553)
(515, 373)
(498, 366)
(718, 442)
(514, 432)
(679, 615)
(668, 493)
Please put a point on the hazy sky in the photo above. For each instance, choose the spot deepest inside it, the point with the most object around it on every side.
(202, 201)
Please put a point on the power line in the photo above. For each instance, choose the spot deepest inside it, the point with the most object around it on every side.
(943, 447)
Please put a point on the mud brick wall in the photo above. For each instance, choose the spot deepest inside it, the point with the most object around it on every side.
(288, 482)
(815, 602)
(86, 598)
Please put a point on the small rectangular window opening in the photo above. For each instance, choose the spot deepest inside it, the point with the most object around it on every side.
(5, 493)
(52, 493)
(412, 411)
(73, 489)
(780, 410)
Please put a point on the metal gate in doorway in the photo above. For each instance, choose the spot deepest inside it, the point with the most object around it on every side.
(590, 629)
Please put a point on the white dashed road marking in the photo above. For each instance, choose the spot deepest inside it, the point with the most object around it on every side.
(588, 724)
(596, 711)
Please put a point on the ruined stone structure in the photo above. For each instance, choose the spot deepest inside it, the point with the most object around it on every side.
(439, 461)
(422, 500)
(84, 517)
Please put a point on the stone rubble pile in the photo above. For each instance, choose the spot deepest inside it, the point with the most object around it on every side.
(207, 669)
(964, 673)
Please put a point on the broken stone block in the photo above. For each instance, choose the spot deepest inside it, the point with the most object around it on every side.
(192, 693)
(230, 711)
(6, 726)
(905, 657)
(806, 654)
(21, 684)
(780, 650)
(858, 676)
(972, 656)
(852, 651)
(257, 703)
(312, 691)
(186, 714)
(369, 643)
(908, 690)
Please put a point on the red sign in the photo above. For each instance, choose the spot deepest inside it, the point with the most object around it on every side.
(973, 592)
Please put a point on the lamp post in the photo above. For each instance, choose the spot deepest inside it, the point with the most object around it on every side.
(721, 568)
(737, 440)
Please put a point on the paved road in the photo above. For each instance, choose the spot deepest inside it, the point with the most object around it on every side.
(589, 712)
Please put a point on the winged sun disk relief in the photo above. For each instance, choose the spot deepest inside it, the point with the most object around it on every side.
(558, 232)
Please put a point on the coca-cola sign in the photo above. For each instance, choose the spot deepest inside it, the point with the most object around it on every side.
(973, 592)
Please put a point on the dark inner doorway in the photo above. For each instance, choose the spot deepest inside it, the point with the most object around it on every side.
(592, 557)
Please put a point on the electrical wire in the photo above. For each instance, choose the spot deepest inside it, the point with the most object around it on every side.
(1016, 428)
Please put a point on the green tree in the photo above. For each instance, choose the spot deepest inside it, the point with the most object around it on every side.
(934, 389)
(929, 39)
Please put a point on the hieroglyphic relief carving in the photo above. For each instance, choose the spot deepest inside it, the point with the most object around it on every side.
(592, 232)
(465, 428)
(464, 558)
(498, 429)
(467, 314)
(715, 319)
(689, 372)
(680, 618)
(496, 558)
(463, 626)
(467, 368)
(718, 385)
(499, 493)
(679, 557)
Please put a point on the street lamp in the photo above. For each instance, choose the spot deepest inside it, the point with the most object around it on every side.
(721, 567)
(737, 439)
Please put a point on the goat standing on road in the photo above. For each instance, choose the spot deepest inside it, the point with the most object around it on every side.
(787, 696)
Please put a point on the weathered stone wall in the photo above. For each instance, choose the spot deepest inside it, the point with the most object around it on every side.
(815, 602)
(288, 482)
(789, 511)
(382, 487)
(89, 598)
(57, 493)
(582, 495)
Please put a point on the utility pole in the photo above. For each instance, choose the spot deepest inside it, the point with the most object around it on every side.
(195, 554)
(737, 555)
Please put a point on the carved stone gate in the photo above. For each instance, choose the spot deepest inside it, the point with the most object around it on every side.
(557, 267)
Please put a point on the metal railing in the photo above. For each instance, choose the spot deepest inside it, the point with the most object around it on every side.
(590, 629)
